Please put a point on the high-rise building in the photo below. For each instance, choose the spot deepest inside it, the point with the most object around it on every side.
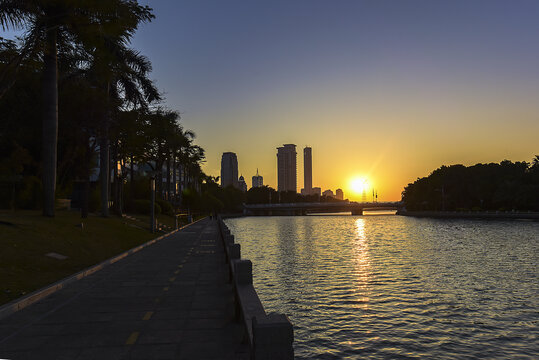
(229, 169)
(258, 180)
(339, 194)
(308, 170)
(242, 184)
(286, 168)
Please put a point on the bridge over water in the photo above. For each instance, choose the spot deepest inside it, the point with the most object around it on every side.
(356, 208)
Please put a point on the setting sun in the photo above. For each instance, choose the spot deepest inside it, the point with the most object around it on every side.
(359, 185)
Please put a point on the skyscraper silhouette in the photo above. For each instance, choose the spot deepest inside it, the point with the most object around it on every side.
(307, 170)
(258, 180)
(229, 169)
(286, 168)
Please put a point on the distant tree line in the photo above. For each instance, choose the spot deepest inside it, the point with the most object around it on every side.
(504, 186)
(214, 198)
(72, 88)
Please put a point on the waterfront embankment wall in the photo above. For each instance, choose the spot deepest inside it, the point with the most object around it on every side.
(270, 336)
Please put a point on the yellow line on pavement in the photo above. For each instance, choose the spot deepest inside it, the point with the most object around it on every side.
(172, 279)
(177, 272)
(132, 338)
(157, 300)
(165, 288)
(147, 316)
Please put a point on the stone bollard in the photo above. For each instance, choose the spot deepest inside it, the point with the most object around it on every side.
(243, 271)
(229, 239)
(234, 251)
(273, 336)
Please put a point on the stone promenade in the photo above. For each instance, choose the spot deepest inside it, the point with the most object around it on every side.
(170, 300)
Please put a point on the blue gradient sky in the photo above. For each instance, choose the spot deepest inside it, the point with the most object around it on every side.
(390, 90)
(385, 89)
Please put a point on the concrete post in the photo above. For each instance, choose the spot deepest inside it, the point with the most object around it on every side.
(229, 239)
(273, 336)
(243, 271)
(234, 251)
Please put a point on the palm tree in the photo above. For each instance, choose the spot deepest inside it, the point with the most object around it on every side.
(122, 73)
(49, 22)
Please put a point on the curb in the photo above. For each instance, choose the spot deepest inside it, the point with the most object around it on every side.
(21, 303)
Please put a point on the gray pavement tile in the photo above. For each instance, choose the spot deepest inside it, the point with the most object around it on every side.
(129, 315)
(6, 330)
(107, 352)
(59, 354)
(206, 323)
(87, 341)
(206, 350)
(168, 324)
(17, 343)
(218, 304)
(153, 352)
(170, 314)
(102, 328)
(40, 330)
(160, 337)
(211, 314)
(203, 335)
(59, 317)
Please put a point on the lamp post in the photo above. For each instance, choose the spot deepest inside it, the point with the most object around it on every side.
(152, 204)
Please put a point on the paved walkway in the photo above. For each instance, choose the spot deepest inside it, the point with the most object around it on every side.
(171, 300)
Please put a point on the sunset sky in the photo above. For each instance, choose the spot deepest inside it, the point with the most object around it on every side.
(388, 90)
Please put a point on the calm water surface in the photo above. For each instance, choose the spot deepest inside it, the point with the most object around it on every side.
(389, 287)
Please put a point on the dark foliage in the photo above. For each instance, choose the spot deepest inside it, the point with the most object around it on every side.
(142, 206)
(504, 186)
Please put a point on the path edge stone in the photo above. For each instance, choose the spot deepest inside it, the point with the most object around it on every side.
(35, 296)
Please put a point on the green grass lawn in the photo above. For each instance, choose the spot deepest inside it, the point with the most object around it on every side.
(26, 236)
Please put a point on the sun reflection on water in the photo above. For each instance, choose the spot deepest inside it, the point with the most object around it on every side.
(362, 264)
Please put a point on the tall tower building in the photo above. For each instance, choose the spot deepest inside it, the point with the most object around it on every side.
(258, 180)
(229, 170)
(286, 168)
(241, 183)
(308, 170)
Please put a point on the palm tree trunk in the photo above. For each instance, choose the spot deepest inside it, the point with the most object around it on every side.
(159, 179)
(168, 178)
(174, 180)
(104, 171)
(104, 162)
(132, 169)
(86, 186)
(50, 122)
(115, 194)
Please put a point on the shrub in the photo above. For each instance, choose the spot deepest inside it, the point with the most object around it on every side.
(138, 188)
(31, 193)
(142, 206)
(94, 199)
(166, 207)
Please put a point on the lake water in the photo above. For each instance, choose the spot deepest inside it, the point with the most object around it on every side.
(393, 287)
